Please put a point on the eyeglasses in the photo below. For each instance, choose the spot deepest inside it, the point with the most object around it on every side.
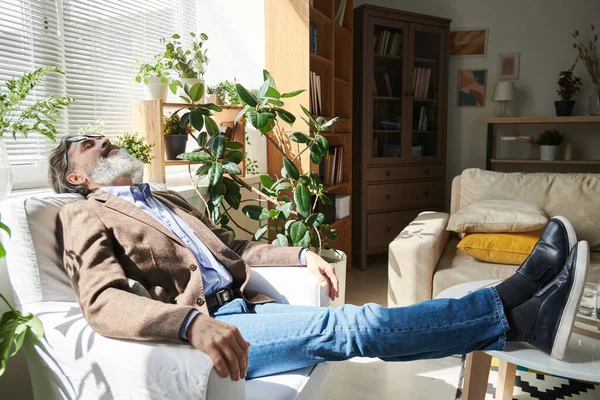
(78, 138)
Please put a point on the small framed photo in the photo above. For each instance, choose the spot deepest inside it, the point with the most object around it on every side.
(508, 65)
(471, 88)
(469, 42)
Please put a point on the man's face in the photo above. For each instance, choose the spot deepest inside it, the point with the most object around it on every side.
(96, 162)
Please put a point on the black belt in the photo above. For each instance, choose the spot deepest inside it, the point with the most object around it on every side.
(220, 298)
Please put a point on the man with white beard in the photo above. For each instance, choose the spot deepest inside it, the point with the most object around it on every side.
(194, 275)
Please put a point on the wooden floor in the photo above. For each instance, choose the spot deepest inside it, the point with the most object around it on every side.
(364, 378)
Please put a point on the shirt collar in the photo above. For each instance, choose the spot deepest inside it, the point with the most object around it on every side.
(139, 191)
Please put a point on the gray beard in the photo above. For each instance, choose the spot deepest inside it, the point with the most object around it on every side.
(107, 170)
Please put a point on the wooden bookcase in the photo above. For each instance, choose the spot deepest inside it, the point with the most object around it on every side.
(400, 110)
(290, 61)
(148, 122)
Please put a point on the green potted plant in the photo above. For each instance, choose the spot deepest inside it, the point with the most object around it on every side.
(549, 141)
(229, 94)
(155, 78)
(568, 87)
(20, 118)
(176, 136)
(15, 327)
(189, 64)
(214, 95)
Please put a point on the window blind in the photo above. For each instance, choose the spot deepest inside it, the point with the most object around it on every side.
(96, 43)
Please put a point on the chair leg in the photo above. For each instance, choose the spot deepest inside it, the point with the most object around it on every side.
(477, 371)
(506, 380)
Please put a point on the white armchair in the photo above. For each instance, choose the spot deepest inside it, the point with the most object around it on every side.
(72, 361)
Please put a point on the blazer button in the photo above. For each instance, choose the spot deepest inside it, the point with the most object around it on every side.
(193, 267)
(200, 301)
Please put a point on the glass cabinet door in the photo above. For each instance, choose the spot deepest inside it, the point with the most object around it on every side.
(389, 46)
(428, 69)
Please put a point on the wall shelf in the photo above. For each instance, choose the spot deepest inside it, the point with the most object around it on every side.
(557, 162)
(545, 120)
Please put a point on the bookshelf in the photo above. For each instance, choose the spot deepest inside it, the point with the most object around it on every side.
(293, 60)
(400, 95)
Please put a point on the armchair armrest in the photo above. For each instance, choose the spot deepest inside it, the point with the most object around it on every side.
(413, 258)
(291, 285)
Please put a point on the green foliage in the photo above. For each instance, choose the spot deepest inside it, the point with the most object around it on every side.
(188, 63)
(40, 117)
(14, 326)
(228, 93)
(136, 146)
(569, 85)
(157, 69)
(293, 198)
(551, 137)
(174, 126)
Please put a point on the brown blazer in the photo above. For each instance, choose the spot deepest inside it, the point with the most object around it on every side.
(107, 240)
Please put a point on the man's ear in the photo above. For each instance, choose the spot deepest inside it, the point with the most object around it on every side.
(76, 178)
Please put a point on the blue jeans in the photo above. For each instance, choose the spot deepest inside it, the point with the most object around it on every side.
(285, 337)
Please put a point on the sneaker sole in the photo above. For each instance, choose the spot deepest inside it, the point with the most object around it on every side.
(567, 318)
(570, 231)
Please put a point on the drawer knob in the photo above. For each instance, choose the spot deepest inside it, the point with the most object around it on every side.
(388, 229)
(427, 171)
(426, 194)
(387, 197)
(387, 173)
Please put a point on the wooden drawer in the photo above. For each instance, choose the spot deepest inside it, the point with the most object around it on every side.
(382, 228)
(404, 195)
(378, 174)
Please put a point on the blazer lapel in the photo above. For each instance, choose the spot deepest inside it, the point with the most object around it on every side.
(130, 210)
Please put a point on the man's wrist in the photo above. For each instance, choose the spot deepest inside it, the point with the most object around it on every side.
(187, 322)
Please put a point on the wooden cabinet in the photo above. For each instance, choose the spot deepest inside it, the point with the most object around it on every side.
(400, 110)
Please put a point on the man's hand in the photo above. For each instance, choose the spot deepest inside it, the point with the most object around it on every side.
(324, 272)
(223, 343)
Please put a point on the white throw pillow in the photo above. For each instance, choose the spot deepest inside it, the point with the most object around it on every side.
(498, 216)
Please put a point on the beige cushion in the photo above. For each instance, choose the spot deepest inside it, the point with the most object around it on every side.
(498, 216)
(574, 196)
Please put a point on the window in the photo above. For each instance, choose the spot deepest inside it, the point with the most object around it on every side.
(96, 43)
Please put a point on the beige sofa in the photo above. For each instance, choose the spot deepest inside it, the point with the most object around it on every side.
(424, 260)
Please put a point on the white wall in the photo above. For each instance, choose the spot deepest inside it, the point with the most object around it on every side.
(541, 31)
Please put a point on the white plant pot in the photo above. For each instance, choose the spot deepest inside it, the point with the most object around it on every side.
(340, 271)
(548, 153)
(190, 82)
(155, 89)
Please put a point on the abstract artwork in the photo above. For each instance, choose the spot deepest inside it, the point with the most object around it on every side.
(471, 87)
(508, 65)
(469, 42)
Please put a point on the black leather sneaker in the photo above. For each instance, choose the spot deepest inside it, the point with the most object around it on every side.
(558, 302)
(550, 252)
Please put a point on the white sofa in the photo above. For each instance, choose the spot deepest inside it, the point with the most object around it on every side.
(423, 259)
(73, 362)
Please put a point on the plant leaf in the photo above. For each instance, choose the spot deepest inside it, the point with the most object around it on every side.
(234, 156)
(264, 88)
(266, 181)
(293, 93)
(239, 115)
(290, 169)
(260, 233)
(213, 106)
(323, 144)
(196, 92)
(315, 154)
(282, 186)
(285, 115)
(5, 228)
(197, 119)
(309, 115)
(196, 156)
(299, 234)
(329, 123)
(256, 212)
(246, 96)
(315, 219)
(234, 145)
(232, 168)
(258, 120)
(211, 126)
(272, 92)
(286, 209)
(217, 146)
(202, 171)
(280, 240)
(215, 173)
(299, 137)
(202, 138)
(302, 198)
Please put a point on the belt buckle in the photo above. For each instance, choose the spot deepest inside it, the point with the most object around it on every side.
(224, 296)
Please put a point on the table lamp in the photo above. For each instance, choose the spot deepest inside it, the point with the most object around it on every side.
(503, 93)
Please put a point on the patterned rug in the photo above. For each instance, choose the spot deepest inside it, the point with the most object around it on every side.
(531, 384)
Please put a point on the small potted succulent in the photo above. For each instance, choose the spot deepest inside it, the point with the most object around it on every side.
(229, 93)
(176, 136)
(190, 64)
(155, 78)
(568, 87)
(549, 142)
(214, 95)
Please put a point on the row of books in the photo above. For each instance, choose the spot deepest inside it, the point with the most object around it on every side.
(387, 125)
(382, 148)
(313, 39)
(388, 43)
(421, 123)
(316, 106)
(382, 85)
(333, 166)
(421, 82)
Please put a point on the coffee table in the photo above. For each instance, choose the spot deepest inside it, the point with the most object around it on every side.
(582, 360)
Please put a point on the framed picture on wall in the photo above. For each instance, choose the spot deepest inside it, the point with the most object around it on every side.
(471, 87)
(508, 65)
(469, 42)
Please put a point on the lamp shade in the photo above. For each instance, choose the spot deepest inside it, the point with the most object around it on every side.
(504, 91)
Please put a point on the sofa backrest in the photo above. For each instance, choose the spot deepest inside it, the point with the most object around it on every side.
(574, 196)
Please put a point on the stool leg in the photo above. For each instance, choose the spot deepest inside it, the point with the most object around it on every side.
(477, 371)
(506, 380)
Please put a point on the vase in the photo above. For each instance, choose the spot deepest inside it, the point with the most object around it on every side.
(6, 180)
(548, 153)
(594, 105)
(155, 89)
(564, 108)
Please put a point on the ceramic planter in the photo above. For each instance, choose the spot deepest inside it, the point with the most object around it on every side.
(175, 145)
(548, 153)
(155, 89)
(338, 259)
(564, 108)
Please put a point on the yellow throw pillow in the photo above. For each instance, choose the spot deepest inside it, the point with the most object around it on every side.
(500, 248)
